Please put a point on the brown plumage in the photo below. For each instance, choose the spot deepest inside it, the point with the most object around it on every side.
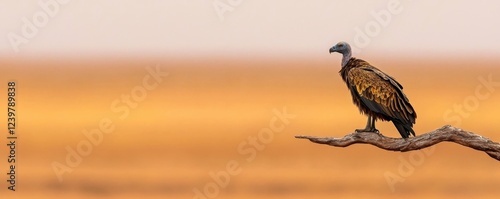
(375, 93)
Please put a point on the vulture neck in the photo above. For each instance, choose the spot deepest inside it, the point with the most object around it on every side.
(345, 58)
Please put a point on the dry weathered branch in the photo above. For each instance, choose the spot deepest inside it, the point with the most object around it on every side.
(444, 134)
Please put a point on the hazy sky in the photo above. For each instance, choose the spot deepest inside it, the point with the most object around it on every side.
(243, 27)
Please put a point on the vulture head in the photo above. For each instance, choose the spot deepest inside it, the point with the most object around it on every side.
(344, 49)
(341, 47)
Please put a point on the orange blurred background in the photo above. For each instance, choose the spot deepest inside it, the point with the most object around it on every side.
(214, 127)
(193, 123)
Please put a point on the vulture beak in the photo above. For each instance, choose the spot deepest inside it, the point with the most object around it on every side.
(333, 49)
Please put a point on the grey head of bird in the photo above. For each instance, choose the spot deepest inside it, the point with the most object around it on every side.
(343, 48)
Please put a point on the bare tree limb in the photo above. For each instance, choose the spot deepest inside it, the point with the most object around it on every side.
(444, 134)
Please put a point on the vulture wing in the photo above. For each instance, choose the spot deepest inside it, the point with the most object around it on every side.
(382, 95)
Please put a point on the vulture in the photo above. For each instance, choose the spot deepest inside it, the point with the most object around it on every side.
(376, 94)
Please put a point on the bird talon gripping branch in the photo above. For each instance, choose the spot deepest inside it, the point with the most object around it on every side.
(367, 131)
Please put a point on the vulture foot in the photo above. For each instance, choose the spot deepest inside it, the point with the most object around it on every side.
(367, 130)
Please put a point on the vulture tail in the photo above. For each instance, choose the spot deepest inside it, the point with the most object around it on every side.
(404, 129)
